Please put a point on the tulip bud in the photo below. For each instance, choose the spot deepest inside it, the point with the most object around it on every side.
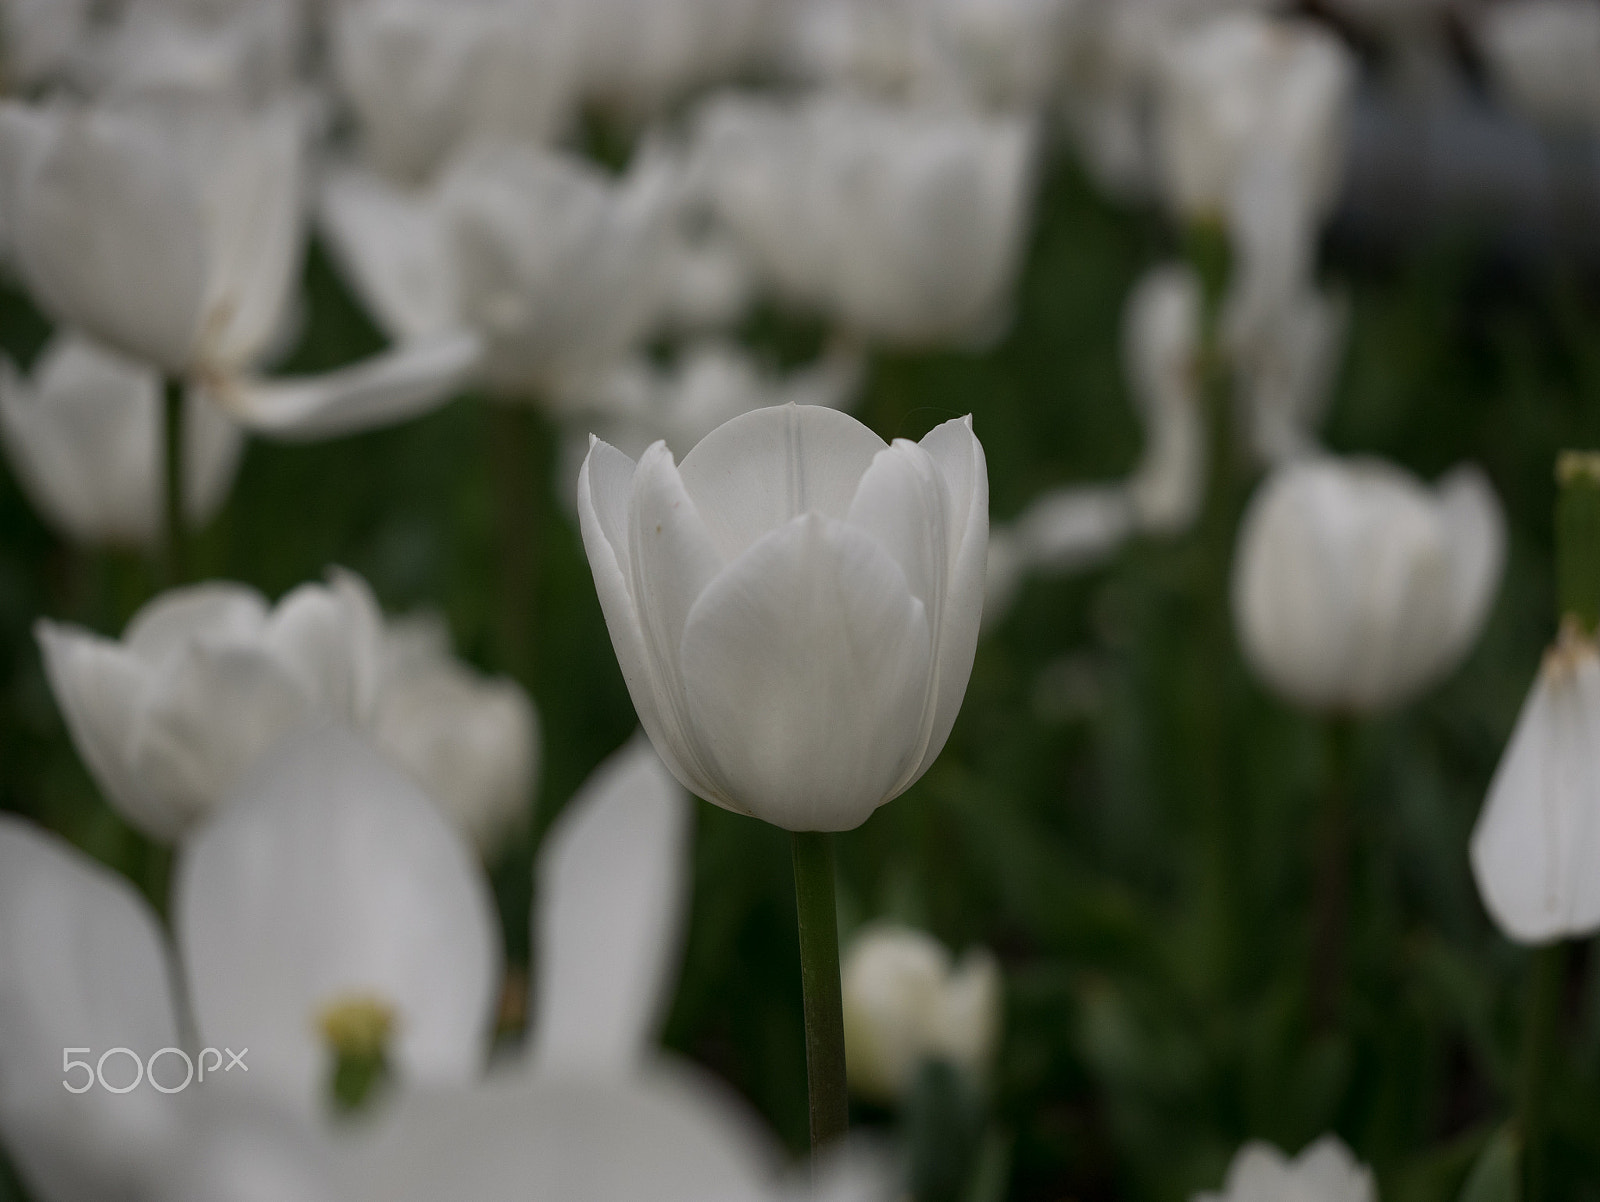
(796, 607)
(470, 741)
(84, 434)
(1354, 588)
(905, 1002)
(1324, 1172)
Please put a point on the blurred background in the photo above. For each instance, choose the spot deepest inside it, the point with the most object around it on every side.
(1124, 815)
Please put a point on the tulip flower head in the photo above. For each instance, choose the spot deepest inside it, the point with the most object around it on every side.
(1324, 1172)
(906, 1002)
(1537, 842)
(795, 607)
(1354, 587)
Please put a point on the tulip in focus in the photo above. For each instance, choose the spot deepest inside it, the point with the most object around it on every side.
(84, 436)
(1355, 588)
(906, 1002)
(1324, 1172)
(796, 607)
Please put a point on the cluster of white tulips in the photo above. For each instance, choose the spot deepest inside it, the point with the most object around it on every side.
(794, 602)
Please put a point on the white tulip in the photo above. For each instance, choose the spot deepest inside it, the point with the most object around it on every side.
(1537, 841)
(1284, 370)
(554, 267)
(428, 77)
(796, 608)
(205, 680)
(1355, 588)
(279, 920)
(472, 742)
(84, 435)
(905, 225)
(905, 1002)
(1241, 87)
(1544, 57)
(1323, 1172)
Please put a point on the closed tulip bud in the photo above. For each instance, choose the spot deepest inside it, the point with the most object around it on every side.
(471, 741)
(903, 224)
(1324, 1172)
(84, 434)
(906, 1002)
(1537, 842)
(1354, 587)
(204, 681)
(796, 607)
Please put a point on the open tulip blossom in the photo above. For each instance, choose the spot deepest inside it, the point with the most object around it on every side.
(795, 607)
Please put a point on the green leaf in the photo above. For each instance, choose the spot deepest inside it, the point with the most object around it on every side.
(1496, 1176)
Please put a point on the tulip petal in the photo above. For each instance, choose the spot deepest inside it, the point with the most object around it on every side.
(106, 236)
(959, 456)
(612, 879)
(98, 686)
(805, 665)
(216, 610)
(1537, 842)
(331, 639)
(330, 876)
(661, 1136)
(901, 503)
(402, 383)
(605, 490)
(762, 469)
(673, 560)
(83, 966)
(395, 249)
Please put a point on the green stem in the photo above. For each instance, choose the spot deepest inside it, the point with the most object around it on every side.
(1330, 904)
(1539, 1038)
(175, 528)
(820, 986)
(516, 457)
(1578, 538)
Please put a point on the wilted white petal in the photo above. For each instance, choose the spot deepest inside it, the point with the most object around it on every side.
(83, 966)
(393, 386)
(395, 249)
(329, 877)
(806, 670)
(85, 437)
(612, 884)
(1536, 842)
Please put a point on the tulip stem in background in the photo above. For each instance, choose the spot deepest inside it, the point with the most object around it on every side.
(1578, 538)
(1539, 1037)
(516, 462)
(1330, 904)
(820, 985)
(172, 440)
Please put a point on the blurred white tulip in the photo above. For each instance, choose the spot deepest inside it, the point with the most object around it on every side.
(1324, 1172)
(905, 225)
(1243, 87)
(1544, 57)
(1355, 588)
(554, 267)
(1284, 370)
(1538, 838)
(84, 436)
(206, 679)
(905, 1002)
(426, 78)
(796, 609)
(471, 741)
(329, 878)
(608, 920)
